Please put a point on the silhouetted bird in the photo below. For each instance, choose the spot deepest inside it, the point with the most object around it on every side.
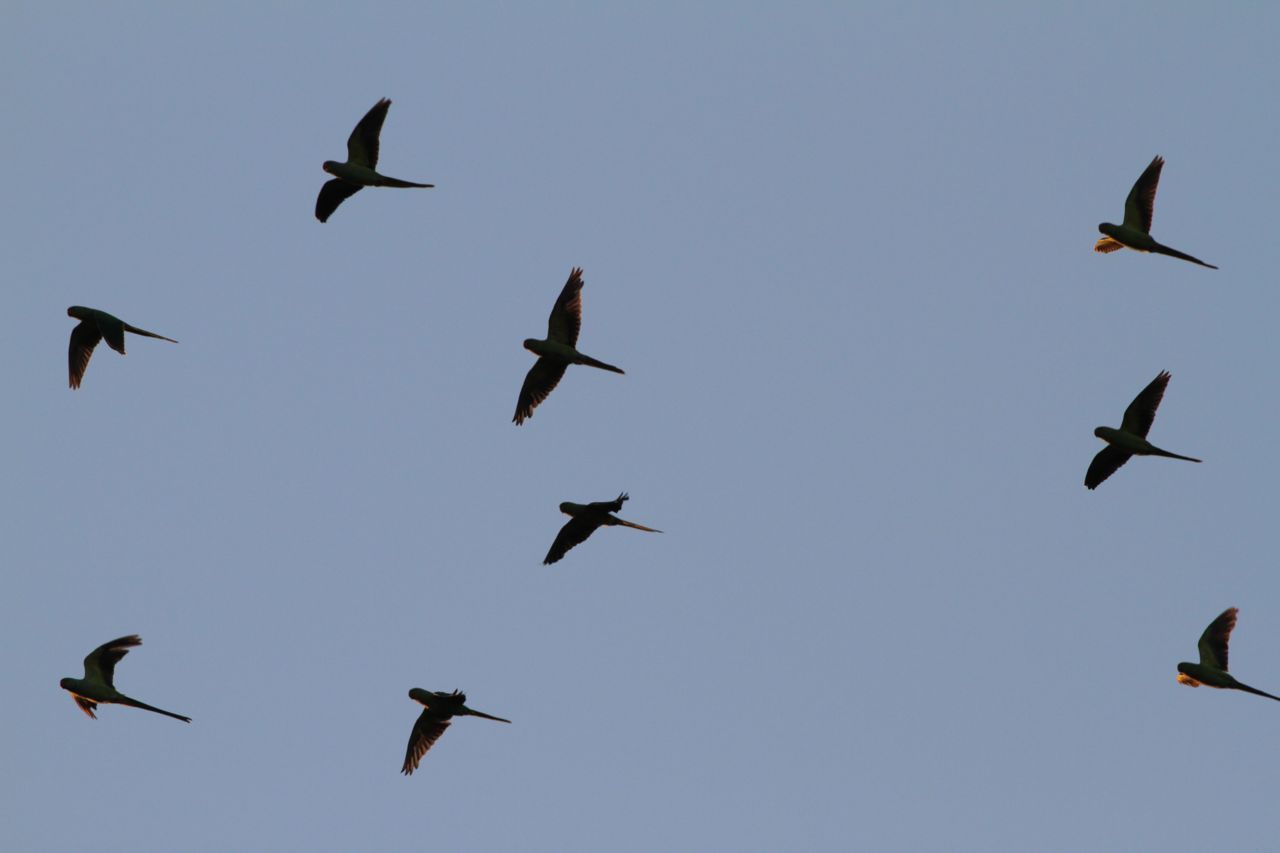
(98, 684)
(438, 709)
(1212, 669)
(358, 171)
(95, 325)
(557, 352)
(1131, 438)
(1135, 232)
(587, 518)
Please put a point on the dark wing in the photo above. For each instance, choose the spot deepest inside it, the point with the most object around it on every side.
(1142, 411)
(1141, 203)
(566, 316)
(1106, 463)
(84, 337)
(362, 145)
(573, 533)
(426, 731)
(86, 705)
(332, 194)
(100, 664)
(539, 382)
(1213, 642)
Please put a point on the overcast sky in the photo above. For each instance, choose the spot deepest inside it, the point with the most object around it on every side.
(844, 254)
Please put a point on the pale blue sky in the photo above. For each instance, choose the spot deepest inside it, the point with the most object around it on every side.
(844, 255)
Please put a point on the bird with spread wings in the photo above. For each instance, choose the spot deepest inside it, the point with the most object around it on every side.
(1135, 231)
(98, 685)
(1131, 438)
(359, 169)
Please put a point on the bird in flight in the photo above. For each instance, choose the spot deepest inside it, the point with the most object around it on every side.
(358, 170)
(557, 352)
(98, 684)
(438, 709)
(1212, 669)
(586, 519)
(1135, 232)
(1131, 438)
(95, 325)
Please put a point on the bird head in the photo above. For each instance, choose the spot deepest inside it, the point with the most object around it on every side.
(79, 312)
(1107, 228)
(417, 694)
(1183, 678)
(66, 683)
(531, 343)
(329, 166)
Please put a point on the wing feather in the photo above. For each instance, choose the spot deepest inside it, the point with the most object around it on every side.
(574, 533)
(1141, 413)
(1141, 203)
(426, 731)
(1106, 463)
(1214, 640)
(100, 664)
(362, 145)
(84, 337)
(332, 194)
(566, 317)
(539, 382)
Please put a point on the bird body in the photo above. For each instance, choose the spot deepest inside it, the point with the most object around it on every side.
(587, 519)
(1211, 671)
(1134, 444)
(98, 685)
(557, 351)
(439, 709)
(1135, 232)
(96, 326)
(359, 170)
(1131, 438)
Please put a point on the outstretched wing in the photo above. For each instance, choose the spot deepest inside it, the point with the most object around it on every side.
(1214, 640)
(539, 382)
(1141, 203)
(426, 731)
(566, 316)
(1142, 411)
(1106, 463)
(362, 145)
(332, 194)
(575, 532)
(84, 337)
(86, 705)
(1107, 244)
(100, 664)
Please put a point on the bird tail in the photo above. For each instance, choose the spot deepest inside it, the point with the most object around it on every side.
(474, 713)
(1159, 452)
(134, 703)
(145, 333)
(1255, 691)
(591, 362)
(633, 525)
(396, 182)
(1165, 250)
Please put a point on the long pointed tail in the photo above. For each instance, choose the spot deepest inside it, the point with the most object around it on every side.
(134, 703)
(474, 713)
(1174, 253)
(633, 525)
(396, 182)
(1255, 691)
(1159, 452)
(591, 362)
(145, 333)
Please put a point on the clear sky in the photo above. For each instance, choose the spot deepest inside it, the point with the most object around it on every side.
(843, 253)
